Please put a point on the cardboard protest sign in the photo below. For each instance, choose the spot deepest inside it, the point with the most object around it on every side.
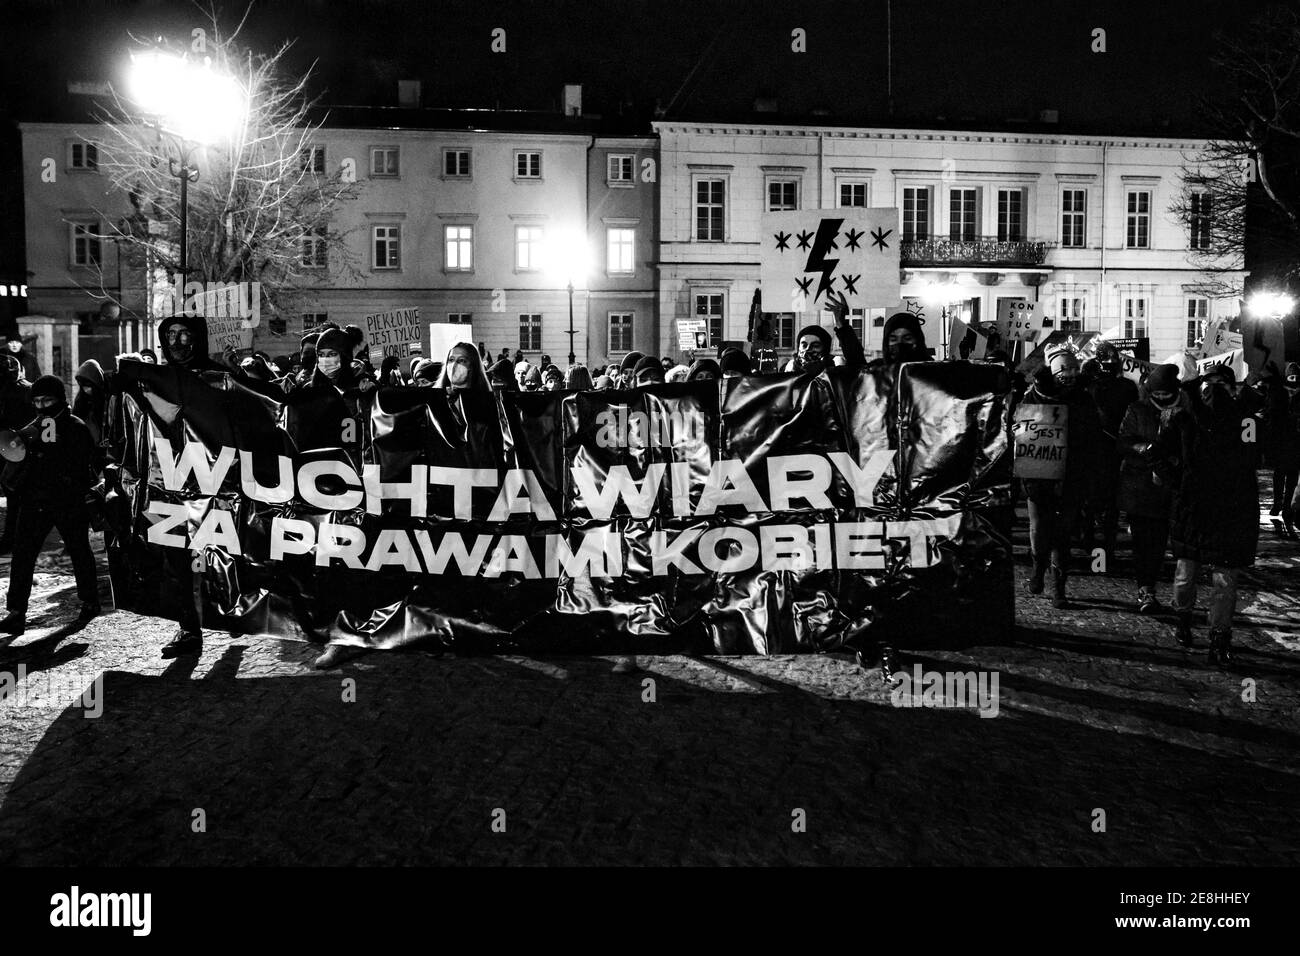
(1039, 434)
(392, 332)
(442, 336)
(687, 330)
(967, 342)
(1020, 321)
(1235, 360)
(228, 332)
(1217, 340)
(808, 253)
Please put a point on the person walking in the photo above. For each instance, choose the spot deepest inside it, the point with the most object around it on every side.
(57, 476)
(14, 345)
(1055, 504)
(1215, 511)
(1145, 482)
(1113, 394)
(15, 412)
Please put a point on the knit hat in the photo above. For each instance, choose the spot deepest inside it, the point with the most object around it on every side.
(734, 360)
(49, 386)
(1163, 378)
(502, 372)
(533, 376)
(701, 366)
(903, 320)
(630, 361)
(1062, 359)
(1220, 371)
(337, 340)
(14, 336)
(425, 370)
(648, 363)
(818, 331)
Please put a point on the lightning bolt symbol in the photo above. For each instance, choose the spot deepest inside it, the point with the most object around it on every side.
(817, 261)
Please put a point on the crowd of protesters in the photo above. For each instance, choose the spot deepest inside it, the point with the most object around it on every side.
(1174, 462)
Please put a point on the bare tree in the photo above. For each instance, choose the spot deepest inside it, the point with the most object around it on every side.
(262, 207)
(1249, 170)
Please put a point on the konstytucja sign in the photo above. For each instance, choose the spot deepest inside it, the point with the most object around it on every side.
(763, 514)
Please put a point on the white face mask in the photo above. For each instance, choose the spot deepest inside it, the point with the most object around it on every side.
(330, 366)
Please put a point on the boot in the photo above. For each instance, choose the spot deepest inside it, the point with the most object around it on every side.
(15, 623)
(183, 642)
(1184, 632)
(336, 654)
(1221, 649)
(1035, 585)
(1058, 589)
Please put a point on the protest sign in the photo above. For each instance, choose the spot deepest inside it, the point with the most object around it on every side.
(1263, 342)
(967, 342)
(1217, 340)
(391, 333)
(1039, 434)
(442, 336)
(810, 253)
(1235, 360)
(687, 329)
(1020, 321)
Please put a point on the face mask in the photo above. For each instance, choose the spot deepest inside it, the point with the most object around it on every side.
(1165, 404)
(330, 366)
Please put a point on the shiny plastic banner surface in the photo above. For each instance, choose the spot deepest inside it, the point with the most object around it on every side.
(765, 514)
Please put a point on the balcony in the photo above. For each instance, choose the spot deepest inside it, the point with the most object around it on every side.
(982, 251)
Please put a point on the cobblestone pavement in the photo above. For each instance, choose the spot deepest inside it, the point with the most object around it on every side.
(247, 756)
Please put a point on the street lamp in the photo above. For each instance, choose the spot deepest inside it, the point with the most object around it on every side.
(568, 261)
(1270, 305)
(191, 102)
(940, 294)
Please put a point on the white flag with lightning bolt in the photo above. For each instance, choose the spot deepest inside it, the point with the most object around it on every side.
(807, 254)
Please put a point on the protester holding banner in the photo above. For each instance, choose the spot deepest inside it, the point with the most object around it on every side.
(1146, 481)
(577, 379)
(317, 412)
(56, 477)
(1055, 504)
(1113, 394)
(1215, 513)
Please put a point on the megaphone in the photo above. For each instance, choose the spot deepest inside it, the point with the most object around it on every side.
(13, 444)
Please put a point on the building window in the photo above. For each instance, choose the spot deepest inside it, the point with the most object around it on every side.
(1198, 311)
(314, 250)
(1011, 215)
(314, 320)
(387, 246)
(312, 159)
(1135, 318)
(708, 306)
(620, 246)
(460, 318)
(530, 332)
(858, 322)
(963, 205)
(458, 241)
(1138, 235)
(528, 165)
(1074, 206)
(86, 322)
(528, 248)
(782, 195)
(916, 213)
(619, 169)
(853, 194)
(710, 209)
(86, 248)
(383, 161)
(455, 163)
(1071, 314)
(85, 156)
(620, 332)
(783, 326)
(1199, 221)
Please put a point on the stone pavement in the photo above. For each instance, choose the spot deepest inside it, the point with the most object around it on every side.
(737, 760)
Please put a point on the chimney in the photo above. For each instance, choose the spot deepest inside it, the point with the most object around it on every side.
(408, 93)
(572, 99)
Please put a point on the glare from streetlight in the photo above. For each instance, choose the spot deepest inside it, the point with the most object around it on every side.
(1269, 304)
(936, 293)
(189, 99)
(567, 258)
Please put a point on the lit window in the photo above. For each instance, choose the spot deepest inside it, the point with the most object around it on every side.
(1138, 233)
(621, 245)
(459, 242)
(710, 207)
(528, 248)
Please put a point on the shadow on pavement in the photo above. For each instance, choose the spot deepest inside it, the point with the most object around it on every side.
(286, 772)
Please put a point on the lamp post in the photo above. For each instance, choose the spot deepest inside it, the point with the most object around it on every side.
(567, 261)
(193, 104)
(572, 355)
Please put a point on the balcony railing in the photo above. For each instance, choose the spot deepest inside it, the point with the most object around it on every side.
(983, 251)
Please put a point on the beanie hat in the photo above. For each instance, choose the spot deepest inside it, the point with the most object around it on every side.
(734, 360)
(424, 370)
(904, 320)
(14, 336)
(1091, 367)
(1293, 373)
(502, 370)
(337, 340)
(702, 366)
(1163, 378)
(49, 386)
(1221, 371)
(818, 331)
(533, 376)
(630, 361)
(648, 363)
(1062, 359)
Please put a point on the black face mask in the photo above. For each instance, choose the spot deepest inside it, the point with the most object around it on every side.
(1169, 404)
(908, 352)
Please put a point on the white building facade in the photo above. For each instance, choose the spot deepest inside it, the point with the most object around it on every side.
(1080, 224)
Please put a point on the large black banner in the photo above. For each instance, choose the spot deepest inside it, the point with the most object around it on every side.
(765, 514)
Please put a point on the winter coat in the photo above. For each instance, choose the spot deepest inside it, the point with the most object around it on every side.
(1215, 511)
(92, 409)
(1083, 438)
(59, 472)
(15, 405)
(1139, 494)
(1285, 421)
(31, 371)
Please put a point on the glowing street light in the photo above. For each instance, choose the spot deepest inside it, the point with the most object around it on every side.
(192, 102)
(1270, 305)
(568, 260)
